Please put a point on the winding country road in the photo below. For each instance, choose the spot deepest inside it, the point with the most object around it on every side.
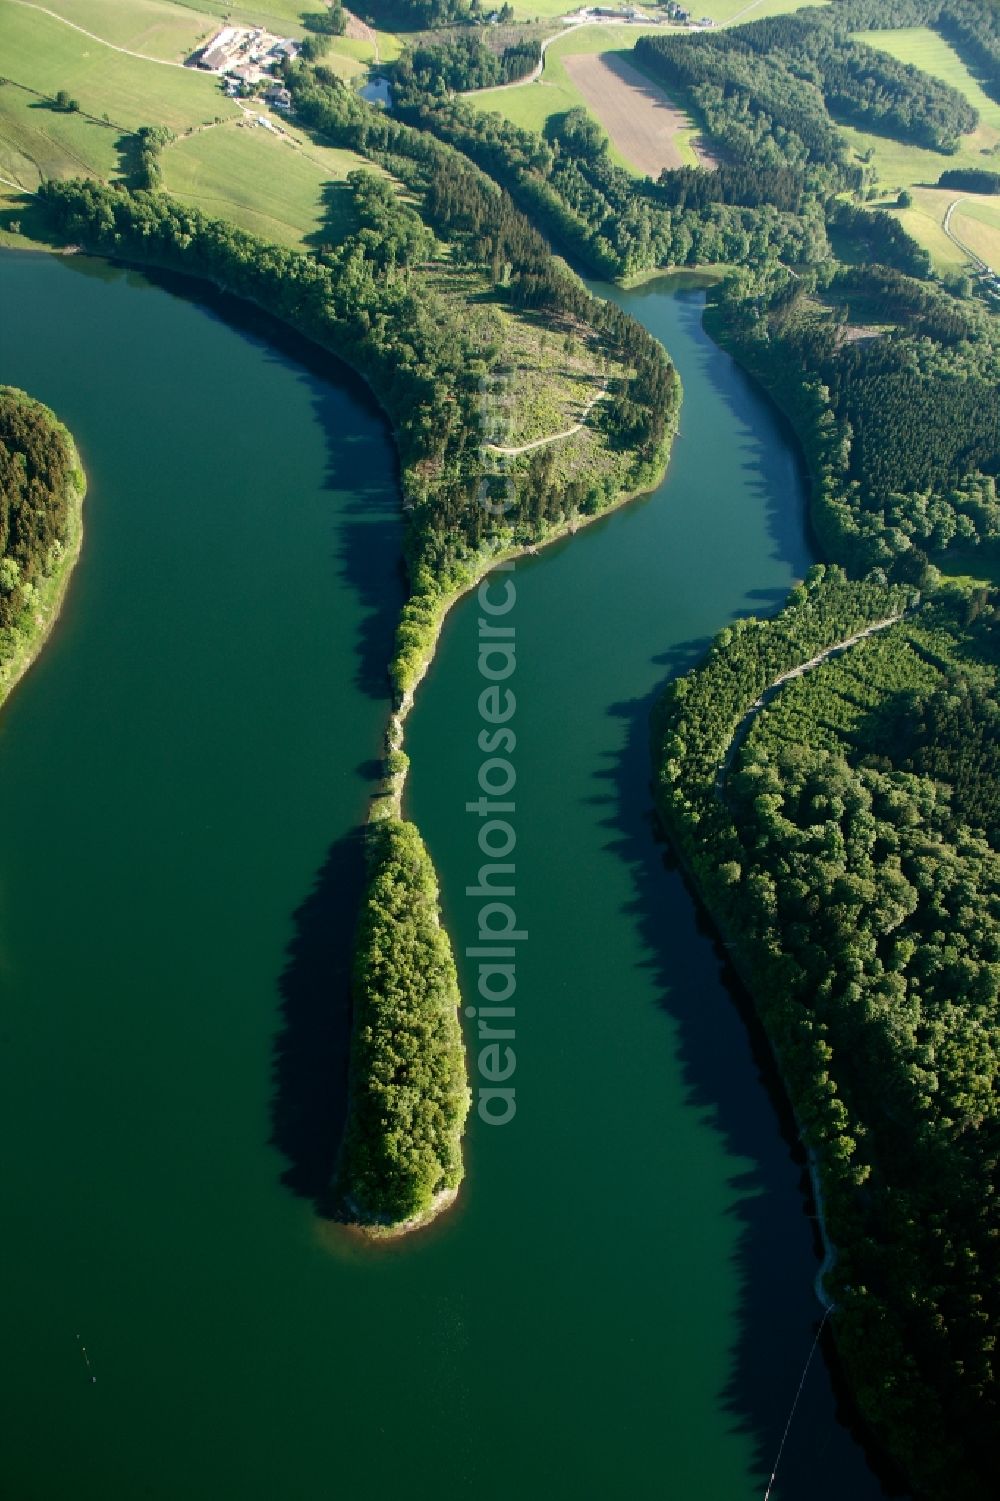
(953, 237)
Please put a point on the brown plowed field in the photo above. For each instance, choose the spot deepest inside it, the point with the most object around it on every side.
(639, 117)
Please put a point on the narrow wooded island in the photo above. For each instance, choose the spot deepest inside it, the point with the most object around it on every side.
(401, 1160)
(42, 486)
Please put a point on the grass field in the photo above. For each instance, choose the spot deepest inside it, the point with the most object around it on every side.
(900, 166)
(264, 184)
(923, 222)
(976, 221)
(243, 172)
(37, 143)
(155, 28)
(41, 53)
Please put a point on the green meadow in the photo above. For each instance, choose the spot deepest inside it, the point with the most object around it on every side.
(156, 28)
(42, 53)
(531, 105)
(270, 185)
(912, 168)
(977, 222)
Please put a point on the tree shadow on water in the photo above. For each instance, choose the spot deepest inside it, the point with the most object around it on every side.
(361, 469)
(309, 1068)
(731, 1081)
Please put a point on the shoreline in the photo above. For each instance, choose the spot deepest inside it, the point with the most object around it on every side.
(381, 1231)
(56, 585)
(733, 945)
(394, 791)
(388, 800)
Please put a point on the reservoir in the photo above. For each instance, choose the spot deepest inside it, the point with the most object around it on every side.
(621, 1303)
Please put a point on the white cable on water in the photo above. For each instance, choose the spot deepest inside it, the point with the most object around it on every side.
(802, 1382)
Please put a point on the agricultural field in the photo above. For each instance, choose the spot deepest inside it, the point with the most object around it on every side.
(154, 28)
(36, 142)
(281, 16)
(924, 220)
(900, 166)
(268, 184)
(40, 52)
(531, 105)
(645, 126)
(976, 221)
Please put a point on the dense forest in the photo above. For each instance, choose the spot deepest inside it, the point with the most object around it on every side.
(466, 62)
(849, 851)
(596, 210)
(898, 411)
(41, 487)
(772, 88)
(409, 1094)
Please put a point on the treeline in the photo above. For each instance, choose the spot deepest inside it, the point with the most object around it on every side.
(409, 1092)
(902, 428)
(970, 180)
(848, 856)
(971, 26)
(40, 489)
(416, 15)
(599, 212)
(698, 188)
(465, 63)
(329, 22)
(876, 239)
(768, 90)
(143, 150)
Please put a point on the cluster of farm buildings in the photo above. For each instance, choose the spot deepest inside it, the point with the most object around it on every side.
(631, 13)
(244, 57)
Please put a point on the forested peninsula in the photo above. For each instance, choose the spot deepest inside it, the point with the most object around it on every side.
(42, 487)
(366, 300)
(830, 778)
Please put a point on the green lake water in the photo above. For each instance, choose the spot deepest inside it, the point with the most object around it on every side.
(621, 1304)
